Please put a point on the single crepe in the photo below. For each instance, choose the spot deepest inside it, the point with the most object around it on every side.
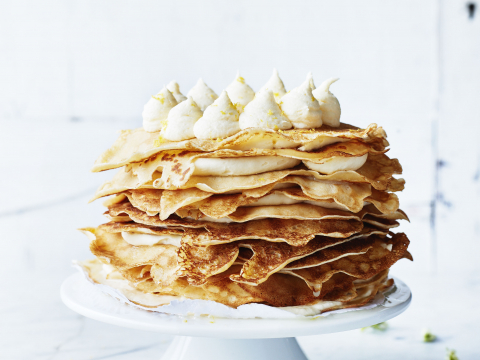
(294, 232)
(341, 196)
(378, 258)
(138, 145)
(177, 166)
(333, 222)
(198, 262)
(112, 249)
(377, 171)
(295, 211)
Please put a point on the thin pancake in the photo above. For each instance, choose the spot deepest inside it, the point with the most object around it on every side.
(362, 266)
(138, 145)
(377, 171)
(113, 250)
(295, 232)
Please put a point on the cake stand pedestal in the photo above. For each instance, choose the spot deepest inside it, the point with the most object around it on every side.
(202, 338)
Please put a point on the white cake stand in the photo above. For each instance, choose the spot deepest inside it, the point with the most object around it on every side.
(202, 338)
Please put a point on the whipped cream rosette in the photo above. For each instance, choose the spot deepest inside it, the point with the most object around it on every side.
(219, 120)
(155, 111)
(275, 85)
(249, 199)
(174, 88)
(202, 94)
(301, 108)
(240, 93)
(181, 120)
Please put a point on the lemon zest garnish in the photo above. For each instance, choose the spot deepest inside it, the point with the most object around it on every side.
(313, 99)
(160, 98)
(239, 107)
(276, 128)
(218, 139)
(157, 142)
(276, 94)
(270, 112)
(223, 112)
(241, 79)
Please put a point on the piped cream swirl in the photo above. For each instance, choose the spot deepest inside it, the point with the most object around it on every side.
(219, 120)
(240, 93)
(175, 90)
(328, 103)
(180, 121)
(155, 111)
(301, 108)
(264, 112)
(202, 95)
(275, 84)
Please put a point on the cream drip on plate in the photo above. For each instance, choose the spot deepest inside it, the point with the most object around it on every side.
(202, 95)
(240, 93)
(328, 103)
(155, 111)
(175, 90)
(219, 120)
(264, 112)
(275, 84)
(301, 108)
(180, 121)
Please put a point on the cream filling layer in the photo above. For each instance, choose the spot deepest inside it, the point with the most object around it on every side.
(337, 163)
(242, 165)
(280, 199)
(138, 239)
(273, 201)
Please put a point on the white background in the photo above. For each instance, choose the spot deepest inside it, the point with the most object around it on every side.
(73, 73)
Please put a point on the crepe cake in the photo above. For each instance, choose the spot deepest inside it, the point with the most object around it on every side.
(249, 198)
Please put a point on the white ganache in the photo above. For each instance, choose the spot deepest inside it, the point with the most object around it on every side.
(202, 95)
(275, 84)
(328, 103)
(301, 108)
(175, 90)
(240, 93)
(264, 112)
(219, 120)
(155, 111)
(180, 121)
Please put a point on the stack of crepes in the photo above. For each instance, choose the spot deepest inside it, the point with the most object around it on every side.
(249, 198)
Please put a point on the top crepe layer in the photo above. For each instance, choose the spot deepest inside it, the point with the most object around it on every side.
(138, 145)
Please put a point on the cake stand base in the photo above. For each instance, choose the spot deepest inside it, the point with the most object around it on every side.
(202, 337)
(197, 348)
